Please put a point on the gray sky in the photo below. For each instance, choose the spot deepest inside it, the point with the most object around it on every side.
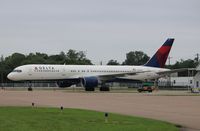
(105, 29)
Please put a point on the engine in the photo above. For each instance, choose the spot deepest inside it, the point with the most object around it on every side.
(90, 83)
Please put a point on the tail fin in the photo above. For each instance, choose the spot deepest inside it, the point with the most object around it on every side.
(159, 59)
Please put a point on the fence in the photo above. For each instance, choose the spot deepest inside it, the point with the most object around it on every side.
(161, 85)
(33, 84)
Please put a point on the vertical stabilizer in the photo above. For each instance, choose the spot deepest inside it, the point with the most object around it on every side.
(160, 57)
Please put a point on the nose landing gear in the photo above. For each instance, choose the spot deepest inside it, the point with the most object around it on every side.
(30, 86)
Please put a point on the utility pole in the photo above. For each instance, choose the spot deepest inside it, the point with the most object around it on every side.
(169, 58)
(197, 56)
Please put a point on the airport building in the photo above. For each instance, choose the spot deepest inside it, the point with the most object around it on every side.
(187, 79)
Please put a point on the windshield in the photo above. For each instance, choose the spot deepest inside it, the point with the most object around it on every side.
(17, 71)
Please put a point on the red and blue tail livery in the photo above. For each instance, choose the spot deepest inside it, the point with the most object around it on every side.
(159, 59)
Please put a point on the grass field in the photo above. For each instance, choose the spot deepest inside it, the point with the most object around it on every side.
(44, 119)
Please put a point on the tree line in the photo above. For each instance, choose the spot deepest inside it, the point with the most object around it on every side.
(140, 58)
(7, 64)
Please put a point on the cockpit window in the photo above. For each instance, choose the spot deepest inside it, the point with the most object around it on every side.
(17, 71)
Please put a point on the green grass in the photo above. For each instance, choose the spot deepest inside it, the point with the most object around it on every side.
(52, 119)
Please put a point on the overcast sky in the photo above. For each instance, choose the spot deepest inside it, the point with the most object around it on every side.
(105, 29)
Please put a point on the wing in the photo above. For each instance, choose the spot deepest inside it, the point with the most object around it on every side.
(172, 71)
(112, 76)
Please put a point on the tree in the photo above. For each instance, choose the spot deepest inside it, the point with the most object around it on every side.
(42, 55)
(136, 58)
(9, 63)
(113, 62)
(74, 57)
(15, 60)
(2, 58)
(189, 63)
(38, 58)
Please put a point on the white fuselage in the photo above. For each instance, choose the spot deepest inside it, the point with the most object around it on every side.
(61, 72)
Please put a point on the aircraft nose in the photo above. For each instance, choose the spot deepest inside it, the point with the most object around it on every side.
(10, 76)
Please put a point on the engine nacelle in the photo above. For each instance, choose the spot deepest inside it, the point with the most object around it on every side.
(90, 83)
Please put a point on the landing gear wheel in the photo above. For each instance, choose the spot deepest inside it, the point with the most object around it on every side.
(89, 89)
(30, 89)
(104, 88)
(30, 86)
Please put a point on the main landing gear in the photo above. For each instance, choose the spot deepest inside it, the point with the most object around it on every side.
(104, 87)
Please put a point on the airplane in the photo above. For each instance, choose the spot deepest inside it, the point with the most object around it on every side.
(90, 76)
